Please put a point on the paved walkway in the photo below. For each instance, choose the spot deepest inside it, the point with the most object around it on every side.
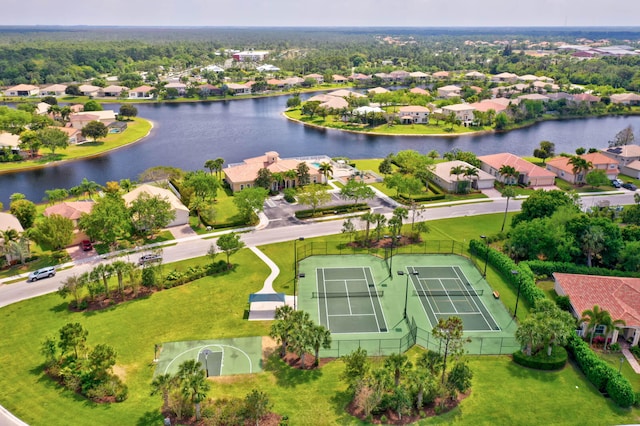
(275, 271)
(631, 359)
(266, 311)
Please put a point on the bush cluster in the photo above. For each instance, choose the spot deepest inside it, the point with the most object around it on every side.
(543, 268)
(175, 277)
(601, 374)
(504, 264)
(541, 361)
(345, 208)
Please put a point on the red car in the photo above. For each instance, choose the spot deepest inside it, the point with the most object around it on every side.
(86, 245)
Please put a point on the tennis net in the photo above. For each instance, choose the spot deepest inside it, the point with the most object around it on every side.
(329, 295)
(448, 292)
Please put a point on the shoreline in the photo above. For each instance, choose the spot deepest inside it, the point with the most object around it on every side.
(84, 157)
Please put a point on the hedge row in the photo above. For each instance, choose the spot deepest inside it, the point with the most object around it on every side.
(602, 375)
(540, 267)
(541, 361)
(504, 264)
(420, 198)
(325, 211)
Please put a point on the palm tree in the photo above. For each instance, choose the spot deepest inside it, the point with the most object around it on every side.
(470, 172)
(507, 192)
(102, 271)
(193, 383)
(368, 219)
(595, 317)
(326, 169)
(277, 178)
(580, 166)
(282, 327)
(121, 267)
(457, 170)
(397, 364)
(219, 162)
(509, 172)
(211, 165)
(380, 221)
(290, 176)
(163, 384)
(433, 154)
(610, 325)
(88, 187)
(593, 242)
(319, 337)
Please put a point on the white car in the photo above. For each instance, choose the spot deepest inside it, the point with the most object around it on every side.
(149, 258)
(47, 272)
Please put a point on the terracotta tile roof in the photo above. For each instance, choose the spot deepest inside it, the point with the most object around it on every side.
(488, 104)
(343, 93)
(441, 74)
(154, 191)
(23, 87)
(142, 89)
(586, 97)
(248, 171)
(507, 159)
(9, 221)
(419, 91)
(413, 108)
(595, 158)
(620, 296)
(377, 90)
(70, 209)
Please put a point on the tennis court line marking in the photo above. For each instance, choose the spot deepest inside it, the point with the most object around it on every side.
(350, 315)
(371, 297)
(346, 290)
(424, 309)
(483, 316)
(207, 346)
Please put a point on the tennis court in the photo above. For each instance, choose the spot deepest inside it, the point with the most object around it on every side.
(445, 291)
(348, 300)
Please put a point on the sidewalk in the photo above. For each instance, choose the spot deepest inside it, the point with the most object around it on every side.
(632, 360)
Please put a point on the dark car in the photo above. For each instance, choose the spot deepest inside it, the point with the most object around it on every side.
(149, 258)
(86, 245)
(629, 186)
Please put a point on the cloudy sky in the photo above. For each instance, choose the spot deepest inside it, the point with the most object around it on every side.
(419, 13)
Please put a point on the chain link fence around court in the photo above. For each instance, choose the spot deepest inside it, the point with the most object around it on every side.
(480, 345)
(322, 248)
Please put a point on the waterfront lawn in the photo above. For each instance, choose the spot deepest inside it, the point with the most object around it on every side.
(212, 307)
(136, 130)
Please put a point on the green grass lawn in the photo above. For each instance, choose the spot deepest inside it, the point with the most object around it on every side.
(212, 307)
(136, 129)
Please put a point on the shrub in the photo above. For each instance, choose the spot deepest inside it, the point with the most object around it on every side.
(563, 303)
(548, 268)
(636, 403)
(635, 350)
(599, 373)
(290, 195)
(615, 347)
(345, 208)
(541, 361)
(148, 277)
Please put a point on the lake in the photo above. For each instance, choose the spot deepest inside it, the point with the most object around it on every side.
(186, 135)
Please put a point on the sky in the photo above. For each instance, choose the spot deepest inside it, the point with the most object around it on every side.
(349, 13)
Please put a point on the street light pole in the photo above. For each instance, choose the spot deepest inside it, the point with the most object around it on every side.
(206, 353)
(621, 362)
(486, 255)
(406, 290)
(295, 271)
(515, 275)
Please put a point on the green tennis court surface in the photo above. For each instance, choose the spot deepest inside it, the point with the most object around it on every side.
(348, 301)
(446, 292)
(220, 357)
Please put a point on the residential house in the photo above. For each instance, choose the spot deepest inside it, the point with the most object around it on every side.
(181, 88)
(214, 68)
(463, 112)
(89, 90)
(440, 75)
(564, 170)
(387, 78)
(448, 91)
(10, 141)
(276, 83)
(625, 99)
(22, 90)
(113, 91)
(360, 78)
(586, 97)
(267, 68)
(399, 75)
(419, 76)
(80, 119)
(419, 91)
(344, 93)
(317, 77)
(42, 108)
(142, 92)
(377, 90)
(620, 296)
(364, 110)
(54, 90)
(243, 175)
(560, 95)
(475, 75)
(534, 97)
(75, 135)
(209, 90)
(505, 77)
(9, 222)
(529, 173)
(544, 86)
(627, 156)
(527, 78)
(182, 212)
(339, 79)
(487, 104)
(72, 210)
(441, 176)
(293, 81)
(414, 114)
(239, 89)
